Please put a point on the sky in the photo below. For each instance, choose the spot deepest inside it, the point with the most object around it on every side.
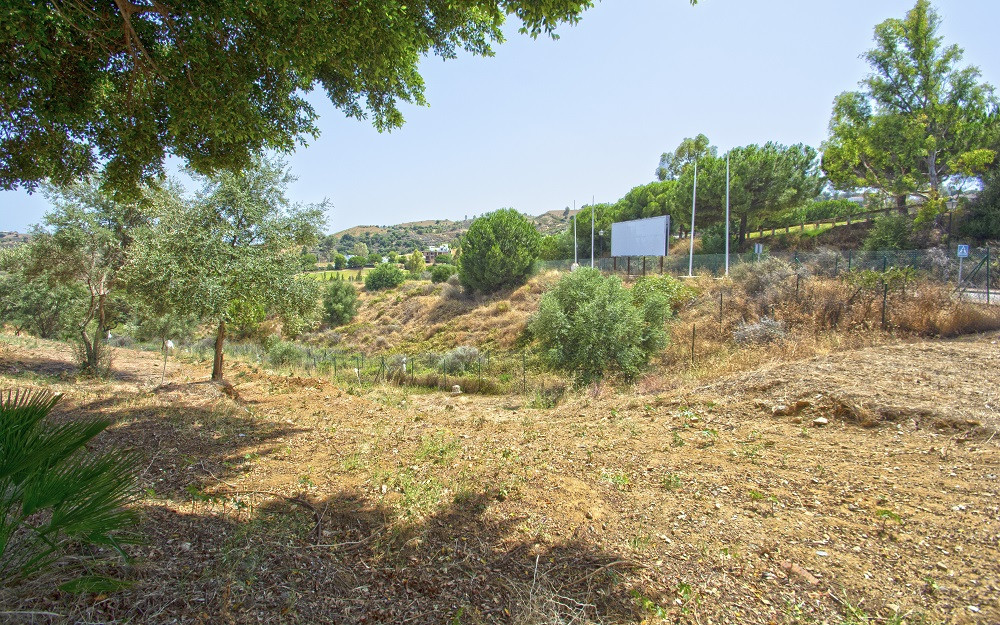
(544, 123)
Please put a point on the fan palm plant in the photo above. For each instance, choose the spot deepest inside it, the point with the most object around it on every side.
(54, 492)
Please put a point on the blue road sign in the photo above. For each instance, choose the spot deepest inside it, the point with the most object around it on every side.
(963, 251)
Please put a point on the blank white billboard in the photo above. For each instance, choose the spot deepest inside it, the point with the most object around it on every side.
(640, 237)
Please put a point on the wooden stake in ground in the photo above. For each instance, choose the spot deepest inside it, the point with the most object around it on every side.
(167, 346)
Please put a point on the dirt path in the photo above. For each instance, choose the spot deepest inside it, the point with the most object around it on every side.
(298, 501)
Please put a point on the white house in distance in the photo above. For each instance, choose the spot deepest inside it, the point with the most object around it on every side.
(431, 253)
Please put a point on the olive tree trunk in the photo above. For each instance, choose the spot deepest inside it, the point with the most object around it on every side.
(220, 337)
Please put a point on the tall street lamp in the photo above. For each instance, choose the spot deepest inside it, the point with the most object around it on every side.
(951, 203)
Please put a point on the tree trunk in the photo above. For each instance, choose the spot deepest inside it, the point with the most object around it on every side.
(92, 349)
(932, 174)
(901, 204)
(743, 230)
(217, 364)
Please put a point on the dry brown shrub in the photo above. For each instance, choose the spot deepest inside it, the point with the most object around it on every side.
(854, 411)
(967, 318)
(411, 310)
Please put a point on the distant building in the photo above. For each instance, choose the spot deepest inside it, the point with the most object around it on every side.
(431, 253)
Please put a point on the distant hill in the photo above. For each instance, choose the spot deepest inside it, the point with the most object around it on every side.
(423, 234)
(10, 239)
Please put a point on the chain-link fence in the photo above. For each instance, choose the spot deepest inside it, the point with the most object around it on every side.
(979, 279)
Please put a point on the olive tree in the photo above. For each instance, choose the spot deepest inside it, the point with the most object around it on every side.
(234, 246)
(591, 325)
(79, 254)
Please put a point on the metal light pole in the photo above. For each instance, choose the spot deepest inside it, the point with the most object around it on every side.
(694, 197)
(576, 259)
(727, 213)
(951, 203)
(592, 211)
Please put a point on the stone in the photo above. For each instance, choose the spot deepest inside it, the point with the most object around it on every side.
(456, 390)
(820, 421)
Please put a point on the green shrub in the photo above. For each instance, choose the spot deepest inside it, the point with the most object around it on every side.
(498, 251)
(890, 232)
(339, 261)
(590, 325)
(281, 353)
(763, 277)
(356, 262)
(340, 303)
(676, 292)
(54, 493)
(459, 359)
(384, 276)
(415, 263)
(984, 211)
(713, 238)
(441, 273)
(444, 259)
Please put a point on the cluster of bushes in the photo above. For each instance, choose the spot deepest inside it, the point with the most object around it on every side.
(384, 276)
(340, 303)
(591, 325)
(771, 297)
(441, 273)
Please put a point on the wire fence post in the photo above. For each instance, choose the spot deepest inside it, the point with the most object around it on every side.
(885, 298)
(850, 256)
(720, 307)
(836, 265)
(692, 343)
(987, 274)
(524, 372)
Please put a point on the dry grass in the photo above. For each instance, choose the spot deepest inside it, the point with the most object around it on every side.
(303, 502)
(817, 315)
(419, 316)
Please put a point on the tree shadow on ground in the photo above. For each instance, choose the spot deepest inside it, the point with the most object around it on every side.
(351, 558)
(184, 446)
(68, 368)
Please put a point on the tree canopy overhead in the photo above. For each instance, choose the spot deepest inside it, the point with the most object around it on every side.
(115, 86)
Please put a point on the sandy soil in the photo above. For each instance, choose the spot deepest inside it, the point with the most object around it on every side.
(286, 499)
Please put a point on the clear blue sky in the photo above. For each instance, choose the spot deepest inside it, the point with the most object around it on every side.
(544, 123)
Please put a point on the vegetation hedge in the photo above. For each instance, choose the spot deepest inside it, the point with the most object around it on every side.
(384, 276)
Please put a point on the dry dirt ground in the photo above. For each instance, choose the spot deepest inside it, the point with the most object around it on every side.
(291, 500)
